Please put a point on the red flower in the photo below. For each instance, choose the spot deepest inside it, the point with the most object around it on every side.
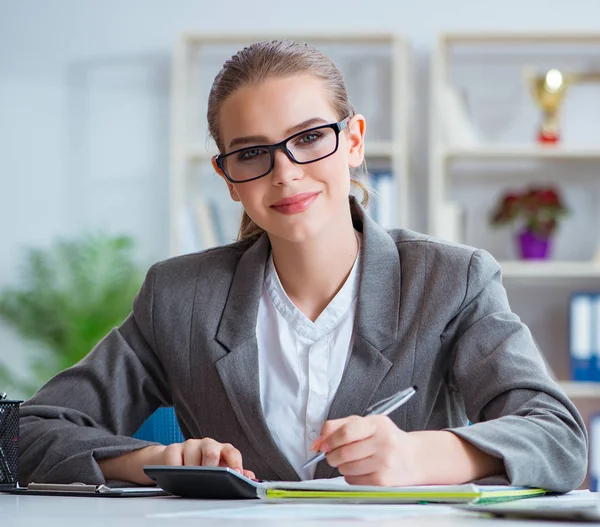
(549, 198)
(538, 208)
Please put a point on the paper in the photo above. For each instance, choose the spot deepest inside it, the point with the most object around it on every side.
(312, 512)
(574, 506)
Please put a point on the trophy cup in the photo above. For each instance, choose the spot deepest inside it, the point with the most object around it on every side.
(549, 91)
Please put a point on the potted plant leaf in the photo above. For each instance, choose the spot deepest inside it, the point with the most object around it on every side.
(537, 210)
(71, 296)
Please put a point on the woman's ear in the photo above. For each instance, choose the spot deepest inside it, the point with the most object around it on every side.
(230, 186)
(356, 140)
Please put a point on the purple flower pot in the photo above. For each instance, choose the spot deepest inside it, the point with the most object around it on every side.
(533, 247)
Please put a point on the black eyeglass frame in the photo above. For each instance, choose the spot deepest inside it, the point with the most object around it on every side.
(336, 127)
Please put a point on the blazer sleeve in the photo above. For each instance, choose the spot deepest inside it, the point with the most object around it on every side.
(89, 411)
(519, 413)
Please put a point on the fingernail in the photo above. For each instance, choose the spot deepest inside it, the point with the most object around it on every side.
(239, 470)
(325, 447)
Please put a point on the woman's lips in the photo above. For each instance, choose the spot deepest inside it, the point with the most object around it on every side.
(295, 204)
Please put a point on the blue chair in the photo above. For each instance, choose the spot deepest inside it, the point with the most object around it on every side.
(161, 427)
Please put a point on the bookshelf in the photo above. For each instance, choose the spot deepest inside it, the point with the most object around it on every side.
(377, 71)
(511, 158)
(483, 142)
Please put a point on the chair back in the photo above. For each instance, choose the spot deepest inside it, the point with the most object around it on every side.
(161, 427)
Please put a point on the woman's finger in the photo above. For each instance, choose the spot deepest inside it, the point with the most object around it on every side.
(359, 467)
(357, 429)
(249, 474)
(231, 457)
(350, 452)
(192, 453)
(173, 455)
(329, 427)
(211, 454)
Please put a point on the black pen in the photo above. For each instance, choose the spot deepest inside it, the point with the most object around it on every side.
(384, 407)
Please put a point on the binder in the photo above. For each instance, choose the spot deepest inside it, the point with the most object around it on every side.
(583, 360)
(594, 468)
(384, 202)
(344, 493)
(596, 339)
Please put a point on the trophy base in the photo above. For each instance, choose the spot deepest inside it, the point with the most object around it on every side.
(548, 138)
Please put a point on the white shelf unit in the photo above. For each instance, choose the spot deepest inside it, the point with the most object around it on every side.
(549, 269)
(446, 158)
(474, 171)
(377, 70)
(504, 152)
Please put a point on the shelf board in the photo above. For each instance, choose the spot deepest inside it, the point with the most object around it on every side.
(372, 149)
(521, 37)
(335, 37)
(504, 152)
(581, 389)
(549, 269)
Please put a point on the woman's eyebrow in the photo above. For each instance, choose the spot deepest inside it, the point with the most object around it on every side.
(261, 139)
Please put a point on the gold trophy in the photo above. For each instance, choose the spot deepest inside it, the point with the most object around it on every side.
(549, 91)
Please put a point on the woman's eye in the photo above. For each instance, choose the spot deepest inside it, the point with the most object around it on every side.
(251, 153)
(308, 138)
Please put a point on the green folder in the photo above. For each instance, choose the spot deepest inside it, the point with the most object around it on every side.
(342, 492)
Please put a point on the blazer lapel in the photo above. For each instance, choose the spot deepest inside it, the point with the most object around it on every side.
(376, 328)
(238, 369)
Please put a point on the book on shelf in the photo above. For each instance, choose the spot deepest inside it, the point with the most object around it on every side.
(584, 336)
(209, 222)
(594, 469)
(383, 201)
(207, 229)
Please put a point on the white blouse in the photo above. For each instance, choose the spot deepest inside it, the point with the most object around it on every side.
(301, 363)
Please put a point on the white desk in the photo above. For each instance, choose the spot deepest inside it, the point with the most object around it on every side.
(51, 511)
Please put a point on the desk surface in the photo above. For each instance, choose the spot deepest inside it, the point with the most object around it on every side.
(51, 511)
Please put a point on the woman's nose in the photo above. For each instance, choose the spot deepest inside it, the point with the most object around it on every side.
(284, 169)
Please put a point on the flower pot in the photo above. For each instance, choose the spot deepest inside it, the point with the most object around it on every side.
(533, 247)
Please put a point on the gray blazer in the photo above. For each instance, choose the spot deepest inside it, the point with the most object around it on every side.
(429, 313)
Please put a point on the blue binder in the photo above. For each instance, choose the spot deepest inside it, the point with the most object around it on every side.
(583, 336)
(382, 206)
(594, 468)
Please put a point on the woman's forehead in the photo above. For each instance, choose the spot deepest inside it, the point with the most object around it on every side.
(274, 106)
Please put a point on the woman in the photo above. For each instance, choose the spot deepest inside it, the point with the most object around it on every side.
(273, 347)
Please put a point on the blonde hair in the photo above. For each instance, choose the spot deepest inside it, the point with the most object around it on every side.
(280, 59)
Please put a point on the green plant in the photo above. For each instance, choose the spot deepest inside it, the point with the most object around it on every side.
(71, 296)
(538, 209)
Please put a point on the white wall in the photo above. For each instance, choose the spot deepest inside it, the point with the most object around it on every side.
(84, 100)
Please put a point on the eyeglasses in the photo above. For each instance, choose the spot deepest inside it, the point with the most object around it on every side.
(308, 146)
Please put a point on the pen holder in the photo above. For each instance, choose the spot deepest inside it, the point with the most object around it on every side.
(9, 443)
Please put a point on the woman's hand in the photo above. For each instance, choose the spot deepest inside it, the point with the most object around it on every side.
(193, 452)
(205, 453)
(370, 450)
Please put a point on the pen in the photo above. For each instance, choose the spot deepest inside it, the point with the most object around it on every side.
(383, 407)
